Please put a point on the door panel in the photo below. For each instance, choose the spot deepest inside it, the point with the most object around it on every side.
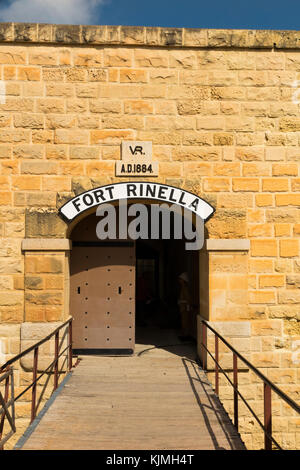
(102, 297)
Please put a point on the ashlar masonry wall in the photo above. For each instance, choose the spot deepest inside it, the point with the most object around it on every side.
(222, 111)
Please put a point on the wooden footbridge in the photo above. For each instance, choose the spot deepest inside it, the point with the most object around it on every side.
(159, 398)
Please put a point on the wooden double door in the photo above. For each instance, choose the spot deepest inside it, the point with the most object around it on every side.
(102, 297)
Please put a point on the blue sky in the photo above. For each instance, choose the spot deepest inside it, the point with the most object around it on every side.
(244, 14)
(206, 14)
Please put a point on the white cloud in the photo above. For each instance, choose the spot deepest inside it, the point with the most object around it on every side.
(52, 11)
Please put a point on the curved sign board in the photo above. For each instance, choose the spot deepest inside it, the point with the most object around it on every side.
(136, 190)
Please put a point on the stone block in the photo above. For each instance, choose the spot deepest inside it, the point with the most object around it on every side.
(266, 359)
(87, 90)
(29, 73)
(6, 32)
(152, 36)
(184, 59)
(292, 199)
(291, 296)
(113, 34)
(286, 215)
(50, 105)
(9, 331)
(33, 121)
(54, 281)
(264, 200)
(25, 32)
(260, 230)
(12, 56)
(38, 167)
(93, 34)
(106, 106)
(283, 311)
(137, 107)
(132, 35)
(292, 328)
(220, 227)
(43, 298)
(262, 297)
(43, 223)
(280, 169)
(39, 263)
(171, 36)
(245, 184)
(67, 34)
(86, 153)
(110, 136)
(216, 184)
(55, 183)
(275, 153)
(72, 168)
(11, 298)
(261, 265)
(44, 32)
(289, 248)
(100, 168)
(271, 280)
(42, 57)
(34, 282)
(123, 122)
(264, 247)
(282, 230)
(152, 91)
(94, 75)
(230, 329)
(118, 57)
(66, 136)
(223, 138)
(195, 37)
(293, 281)
(267, 328)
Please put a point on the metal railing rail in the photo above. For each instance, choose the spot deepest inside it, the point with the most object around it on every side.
(268, 385)
(6, 374)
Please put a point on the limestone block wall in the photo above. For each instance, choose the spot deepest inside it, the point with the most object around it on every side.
(221, 109)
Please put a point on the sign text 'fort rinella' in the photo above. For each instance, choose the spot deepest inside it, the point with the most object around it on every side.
(139, 190)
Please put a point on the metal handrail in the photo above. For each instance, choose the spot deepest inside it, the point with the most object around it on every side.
(268, 385)
(36, 345)
(7, 371)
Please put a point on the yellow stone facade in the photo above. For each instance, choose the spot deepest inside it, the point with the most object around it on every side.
(222, 111)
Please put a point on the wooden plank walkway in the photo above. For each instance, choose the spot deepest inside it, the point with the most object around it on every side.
(160, 399)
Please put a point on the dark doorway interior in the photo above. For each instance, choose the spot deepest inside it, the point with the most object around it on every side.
(158, 265)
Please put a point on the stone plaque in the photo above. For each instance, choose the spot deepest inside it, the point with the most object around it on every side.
(136, 160)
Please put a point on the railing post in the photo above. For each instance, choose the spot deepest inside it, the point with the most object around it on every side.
(70, 345)
(6, 393)
(56, 361)
(204, 346)
(217, 365)
(235, 393)
(267, 416)
(33, 398)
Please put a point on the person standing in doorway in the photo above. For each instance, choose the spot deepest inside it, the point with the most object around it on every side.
(184, 304)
